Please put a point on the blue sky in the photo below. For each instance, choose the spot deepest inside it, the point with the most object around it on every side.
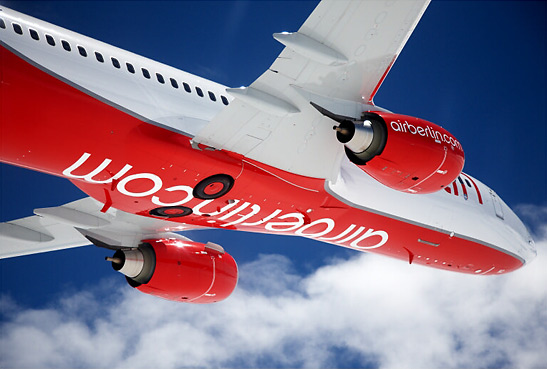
(476, 68)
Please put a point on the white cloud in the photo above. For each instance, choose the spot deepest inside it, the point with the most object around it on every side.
(367, 311)
(536, 217)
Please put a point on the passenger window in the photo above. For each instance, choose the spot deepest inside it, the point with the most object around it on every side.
(34, 34)
(174, 83)
(224, 100)
(2, 24)
(82, 51)
(50, 40)
(17, 28)
(130, 68)
(199, 91)
(145, 73)
(99, 57)
(160, 78)
(187, 87)
(66, 45)
(212, 96)
(115, 62)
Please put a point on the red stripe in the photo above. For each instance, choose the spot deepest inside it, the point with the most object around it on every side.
(476, 187)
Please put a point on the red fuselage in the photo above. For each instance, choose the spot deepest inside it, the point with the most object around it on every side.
(51, 126)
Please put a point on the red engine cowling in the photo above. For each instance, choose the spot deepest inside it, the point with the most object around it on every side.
(405, 153)
(179, 270)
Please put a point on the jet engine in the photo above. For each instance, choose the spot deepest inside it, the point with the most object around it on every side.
(404, 153)
(178, 270)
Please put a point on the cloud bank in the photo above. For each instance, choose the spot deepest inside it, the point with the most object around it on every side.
(368, 311)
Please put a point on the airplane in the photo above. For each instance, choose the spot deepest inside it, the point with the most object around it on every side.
(301, 151)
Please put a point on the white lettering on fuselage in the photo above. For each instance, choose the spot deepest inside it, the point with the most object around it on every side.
(235, 212)
(427, 131)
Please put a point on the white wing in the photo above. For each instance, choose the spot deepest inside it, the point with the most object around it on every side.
(68, 225)
(337, 59)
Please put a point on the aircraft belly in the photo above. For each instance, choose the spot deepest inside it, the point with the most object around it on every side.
(128, 164)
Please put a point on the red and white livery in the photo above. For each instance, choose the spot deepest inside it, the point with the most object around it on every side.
(301, 151)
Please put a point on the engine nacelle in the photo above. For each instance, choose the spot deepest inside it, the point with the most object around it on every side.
(179, 270)
(405, 153)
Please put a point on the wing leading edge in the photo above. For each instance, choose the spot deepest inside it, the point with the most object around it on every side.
(337, 59)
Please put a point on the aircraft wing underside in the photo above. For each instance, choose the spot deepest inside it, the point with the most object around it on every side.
(337, 59)
(80, 223)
